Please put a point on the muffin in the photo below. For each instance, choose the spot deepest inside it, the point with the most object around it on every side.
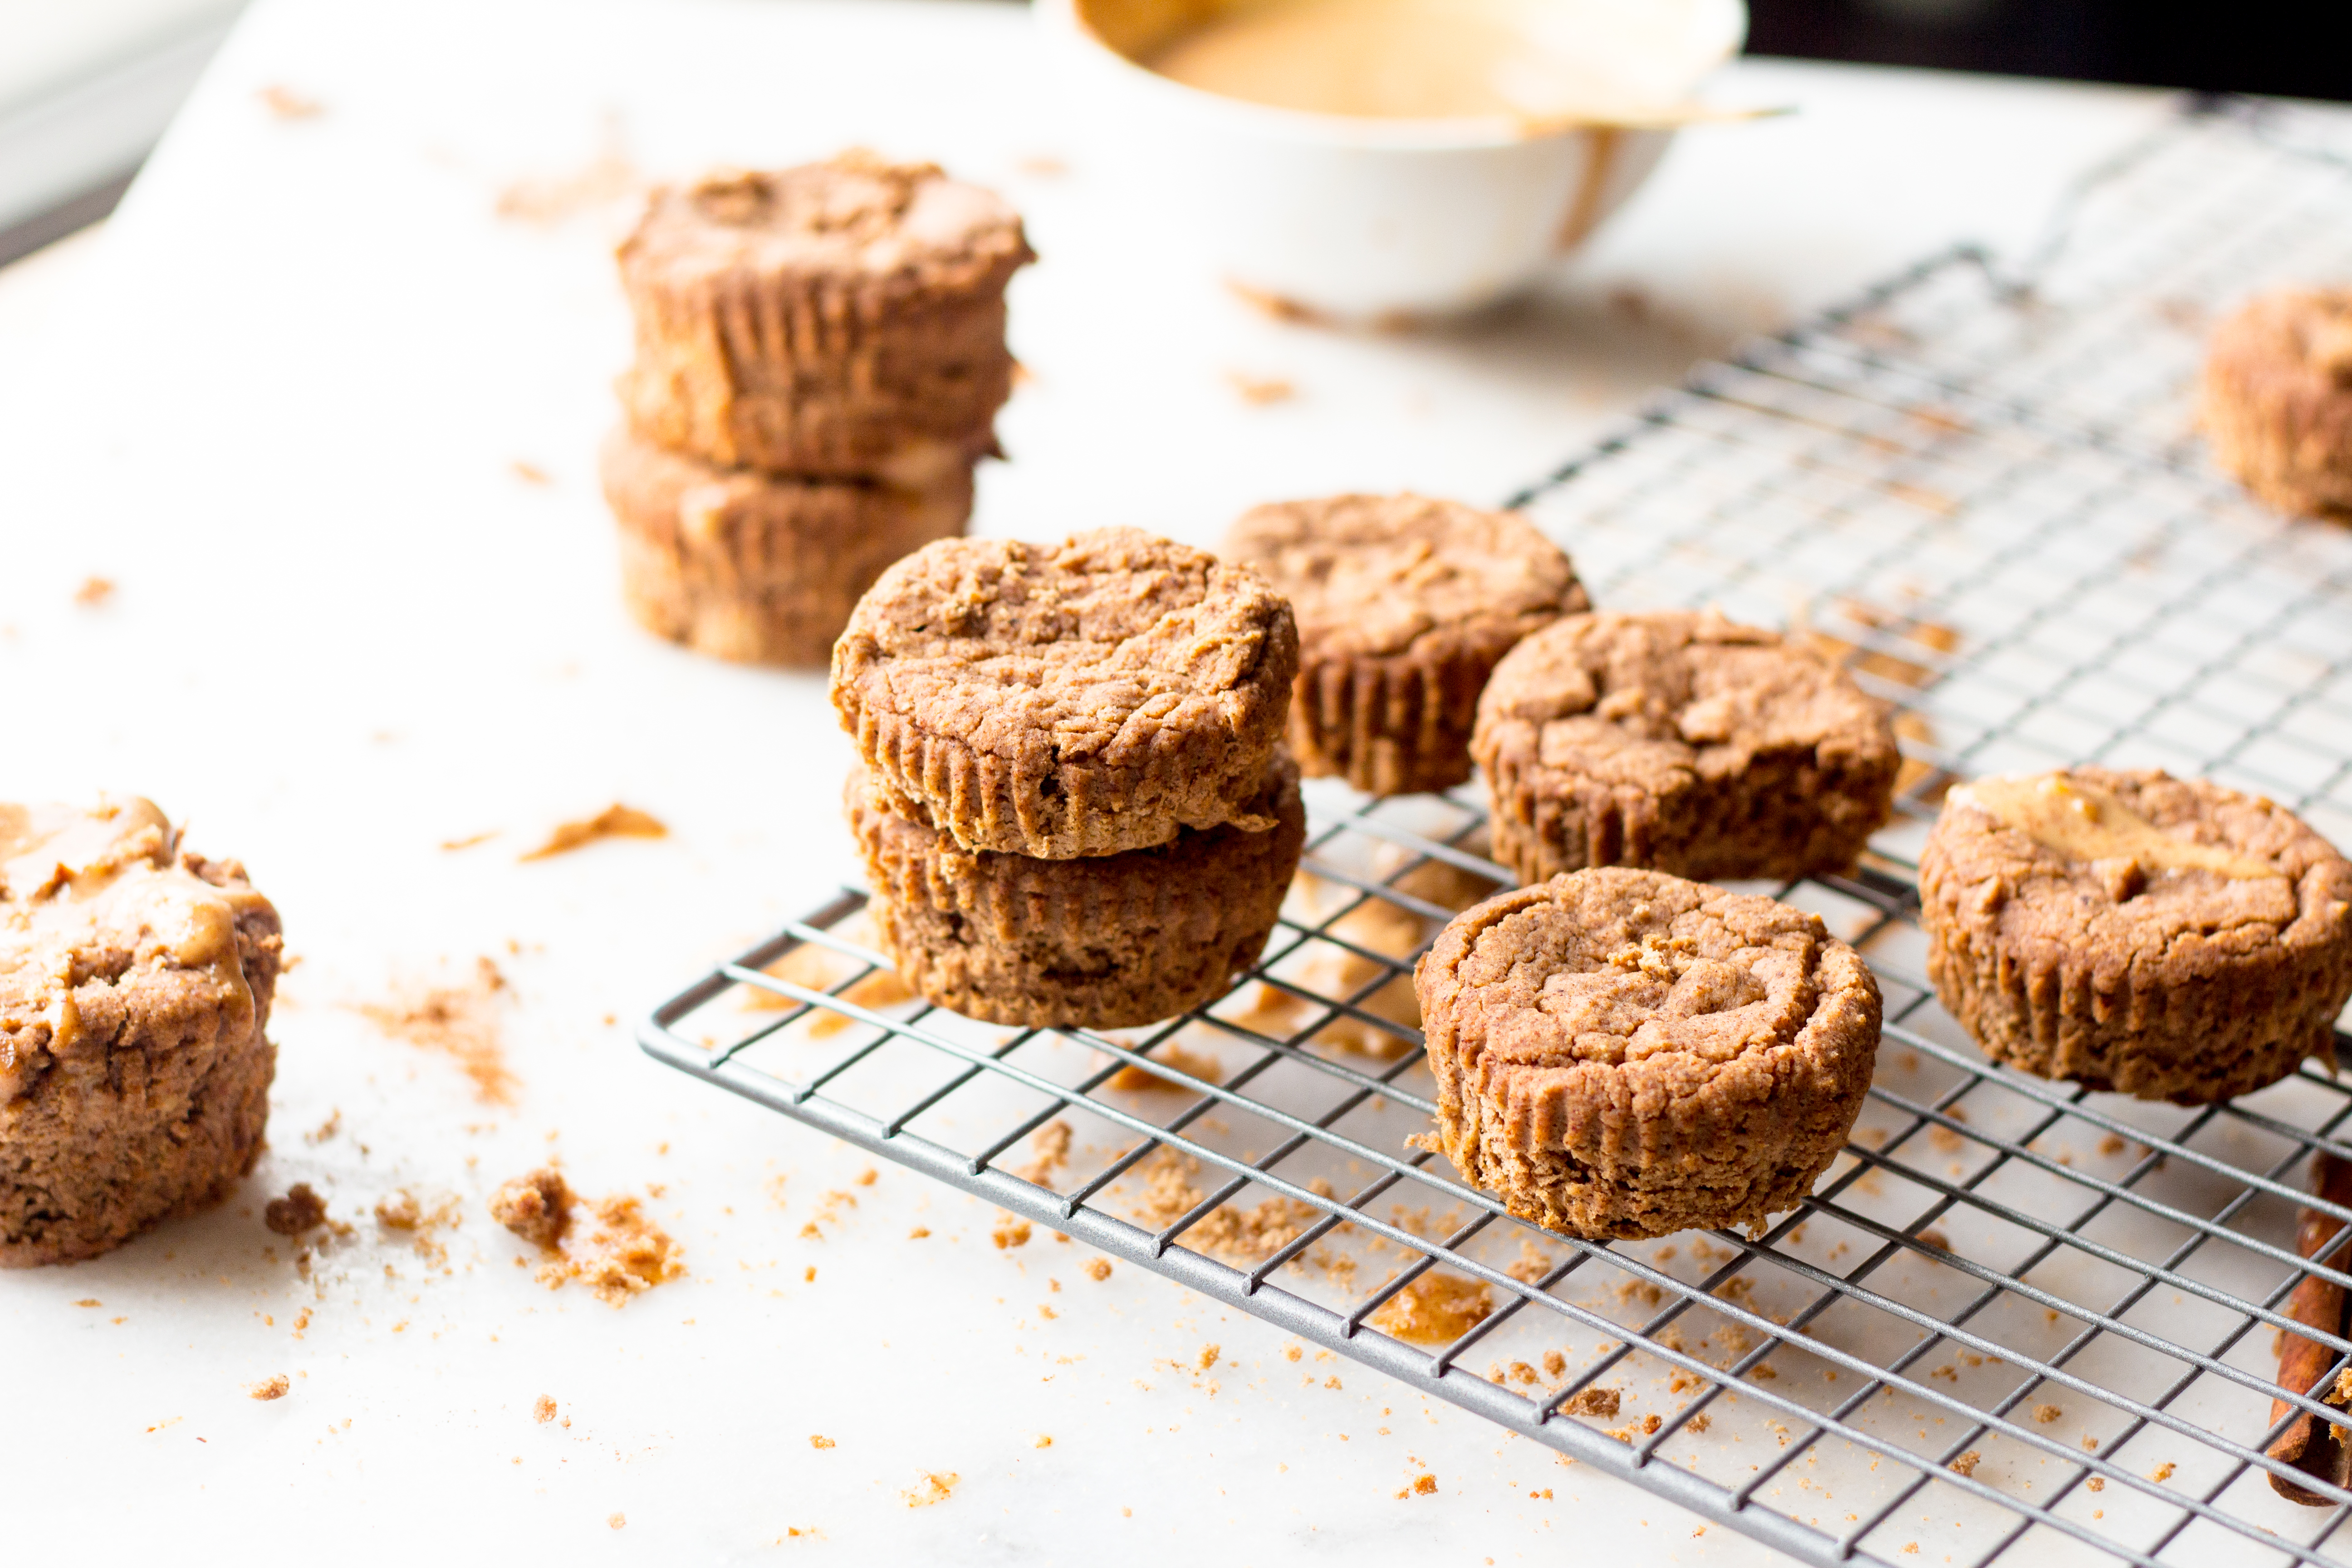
(843, 318)
(1107, 941)
(1684, 743)
(1079, 699)
(2277, 399)
(1622, 1053)
(757, 567)
(135, 984)
(1403, 604)
(2159, 937)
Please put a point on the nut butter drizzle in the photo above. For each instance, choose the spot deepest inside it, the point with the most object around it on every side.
(2322, 1449)
(70, 877)
(2085, 823)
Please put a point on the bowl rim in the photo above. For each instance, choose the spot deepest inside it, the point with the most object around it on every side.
(1469, 133)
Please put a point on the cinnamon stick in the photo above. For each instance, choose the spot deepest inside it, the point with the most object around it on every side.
(2322, 1449)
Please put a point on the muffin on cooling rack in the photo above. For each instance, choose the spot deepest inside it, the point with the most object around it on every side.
(758, 567)
(1106, 942)
(1404, 603)
(1683, 743)
(1622, 1053)
(1079, 699)
(135, 984)
(2277, 401)
(843, 318)
(2160, 937)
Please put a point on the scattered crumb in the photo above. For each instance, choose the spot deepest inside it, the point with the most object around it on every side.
(1932, 1236)
(536, 1207)
(400, 1211)
(931, 1489)
(1010, 1232)
(919, 1232)
(1435, 1309)
(1049, 1148)
(530, 473)
(1699, 1423)
(2112, 1145)
(816, 1442)
(1422, 1485)
(2163, 1472)
(2046, 1414)
(461, 1022)
(285, 103)
(542, 1409)
(1042, 1441)
(300, 1210)
(549, 200)
(327, 1128)
(272, 1388)
(1173, 1056)
(614, 821)
(1233, 1233)
(1966, 1465)
(819, 969)
(1207, 1358)
(617, 1520)
(468, 841)
(1554, 1364)
(1278, 307)
(2092, 1443)
(93, 592)
(1260, 391)
(2096, 1483)
(1600, 1402)
(1044, 165)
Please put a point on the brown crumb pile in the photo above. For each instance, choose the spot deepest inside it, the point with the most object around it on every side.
(1435, 1309)
(820, 969)
(1251, 1234)
(614, 821)
(1966, 1465)
(93, 592)
(404, 1212)
(460, 1022)
(300, 1210)
(536, 1207)
(628, 1254)
(272, 1388)
(1173, 1056)
(1602, 1401)
(932, 1487)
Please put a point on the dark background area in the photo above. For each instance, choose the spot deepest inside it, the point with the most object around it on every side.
(2225, 46)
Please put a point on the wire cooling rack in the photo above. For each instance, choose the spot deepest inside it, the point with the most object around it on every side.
(2015, 1314)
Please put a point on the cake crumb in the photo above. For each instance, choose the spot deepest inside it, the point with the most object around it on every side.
(542, 1409)
(615, 821)
(284, 103)
(2163, 1471)
(816, 1442)
(1966, 1465)
(1010, 1232)
(1423, 1484)
(1699, 1423)
(536, 1207)
(2096, 1483)
(617, 1520)
(1435, 1309)
(933, 1488)
(919, 1232)
(632, 1254)
(1290, 1352)
(1260, 391)
(1049, 1147)
(90, 1301)
(1176, 1058)
(300, 1210)
(399, 1212)
(1097, 1269)
(273, 1387)
(461, 1022)
(1207, 1358)
(1042, 1441)
(1602, 1401)
(2046, 1414)
(93, 592)
(530, 473)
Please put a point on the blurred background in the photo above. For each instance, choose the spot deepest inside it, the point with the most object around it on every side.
(86, 86)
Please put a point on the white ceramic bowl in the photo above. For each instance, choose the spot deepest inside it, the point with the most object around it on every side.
(1357, 218)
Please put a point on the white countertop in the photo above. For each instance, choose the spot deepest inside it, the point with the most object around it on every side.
(280, 404)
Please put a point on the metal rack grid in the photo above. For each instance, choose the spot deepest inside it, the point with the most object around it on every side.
(2015, 1313)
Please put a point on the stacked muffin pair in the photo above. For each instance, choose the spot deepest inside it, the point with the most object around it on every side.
(1072, 800)
(820, 358)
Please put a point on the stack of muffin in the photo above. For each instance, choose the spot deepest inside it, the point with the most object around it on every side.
(820, 358)
(1072, 800)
